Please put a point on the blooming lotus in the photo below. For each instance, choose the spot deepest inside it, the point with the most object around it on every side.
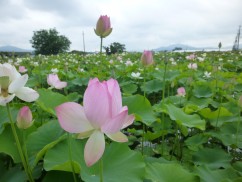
(147, 58)
(192, 66)
(181, 91)
(103, 27)
(128, 63)
(136, 75)
(54, 81)
(207, 74)
(191, 56)
(102, 113)
(12, 84)
(24, 118)
(22, 69)
(54, 70)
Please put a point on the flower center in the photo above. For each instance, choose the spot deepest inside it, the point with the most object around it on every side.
(4, 83)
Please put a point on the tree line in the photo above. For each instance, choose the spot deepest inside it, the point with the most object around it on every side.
(50, 42)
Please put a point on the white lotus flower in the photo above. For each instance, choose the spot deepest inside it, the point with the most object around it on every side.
(54, 70)
(136, 75)
(128, 63)
(207, 74)
(12, 84)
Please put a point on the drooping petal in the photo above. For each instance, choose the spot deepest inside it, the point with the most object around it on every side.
(60, 85)
(18, 83)
(128, 121)
(94, 148)
(72, 118)
(118, 137)
(115, 94)
(27, 94)
(5, 100)
(116, 123)
(96, 104)
(52, 79)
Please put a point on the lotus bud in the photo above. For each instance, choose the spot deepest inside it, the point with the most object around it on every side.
(24, 118)
(147, 58)
(103, 27)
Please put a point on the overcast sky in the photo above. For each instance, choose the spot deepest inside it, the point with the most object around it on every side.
(139, 24)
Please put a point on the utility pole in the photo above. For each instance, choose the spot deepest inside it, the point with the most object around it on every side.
(239, 36)
(83, 41)
(236, 42)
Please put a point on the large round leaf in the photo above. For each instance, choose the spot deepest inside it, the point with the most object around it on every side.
(163, 172)
(184, 119)
(48, 100)
(8, 144)
(40, 141)
(202, 89)
(223, 175)
(13, 174)
(141, 107)
(53, 176)
(119, 164)
(212, 158)
(128, 87)
(229, 134)
(59, 158)
(196, 142)
(4, 116)
(152, 86)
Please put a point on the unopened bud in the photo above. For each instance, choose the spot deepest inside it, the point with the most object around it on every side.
(24, 118)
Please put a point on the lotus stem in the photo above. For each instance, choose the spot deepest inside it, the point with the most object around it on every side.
(70, 158)
(101, 169)
(237, 132)
(20, 150)
(101, 45)
(163, 114)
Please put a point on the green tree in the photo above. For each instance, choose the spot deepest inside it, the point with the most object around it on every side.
(219, 45)
(115, 47)
(48, 42)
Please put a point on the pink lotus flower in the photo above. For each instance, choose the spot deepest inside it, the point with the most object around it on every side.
(191, 56)
(22, 69)
(103, 27)
(181, 91)
(147, 58)
(192, 66)
(102, 113)
(54, 81)
(12, 84)
(24, 118)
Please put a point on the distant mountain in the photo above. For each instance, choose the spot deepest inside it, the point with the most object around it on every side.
(182, 46)
(13, 49)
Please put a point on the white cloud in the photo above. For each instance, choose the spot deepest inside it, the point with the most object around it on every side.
(138, 24)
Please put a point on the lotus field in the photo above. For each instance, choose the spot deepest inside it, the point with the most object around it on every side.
(125, 117)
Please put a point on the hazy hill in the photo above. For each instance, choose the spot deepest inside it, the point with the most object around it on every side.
(183, 46)
(13, 49)
(191, 48)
